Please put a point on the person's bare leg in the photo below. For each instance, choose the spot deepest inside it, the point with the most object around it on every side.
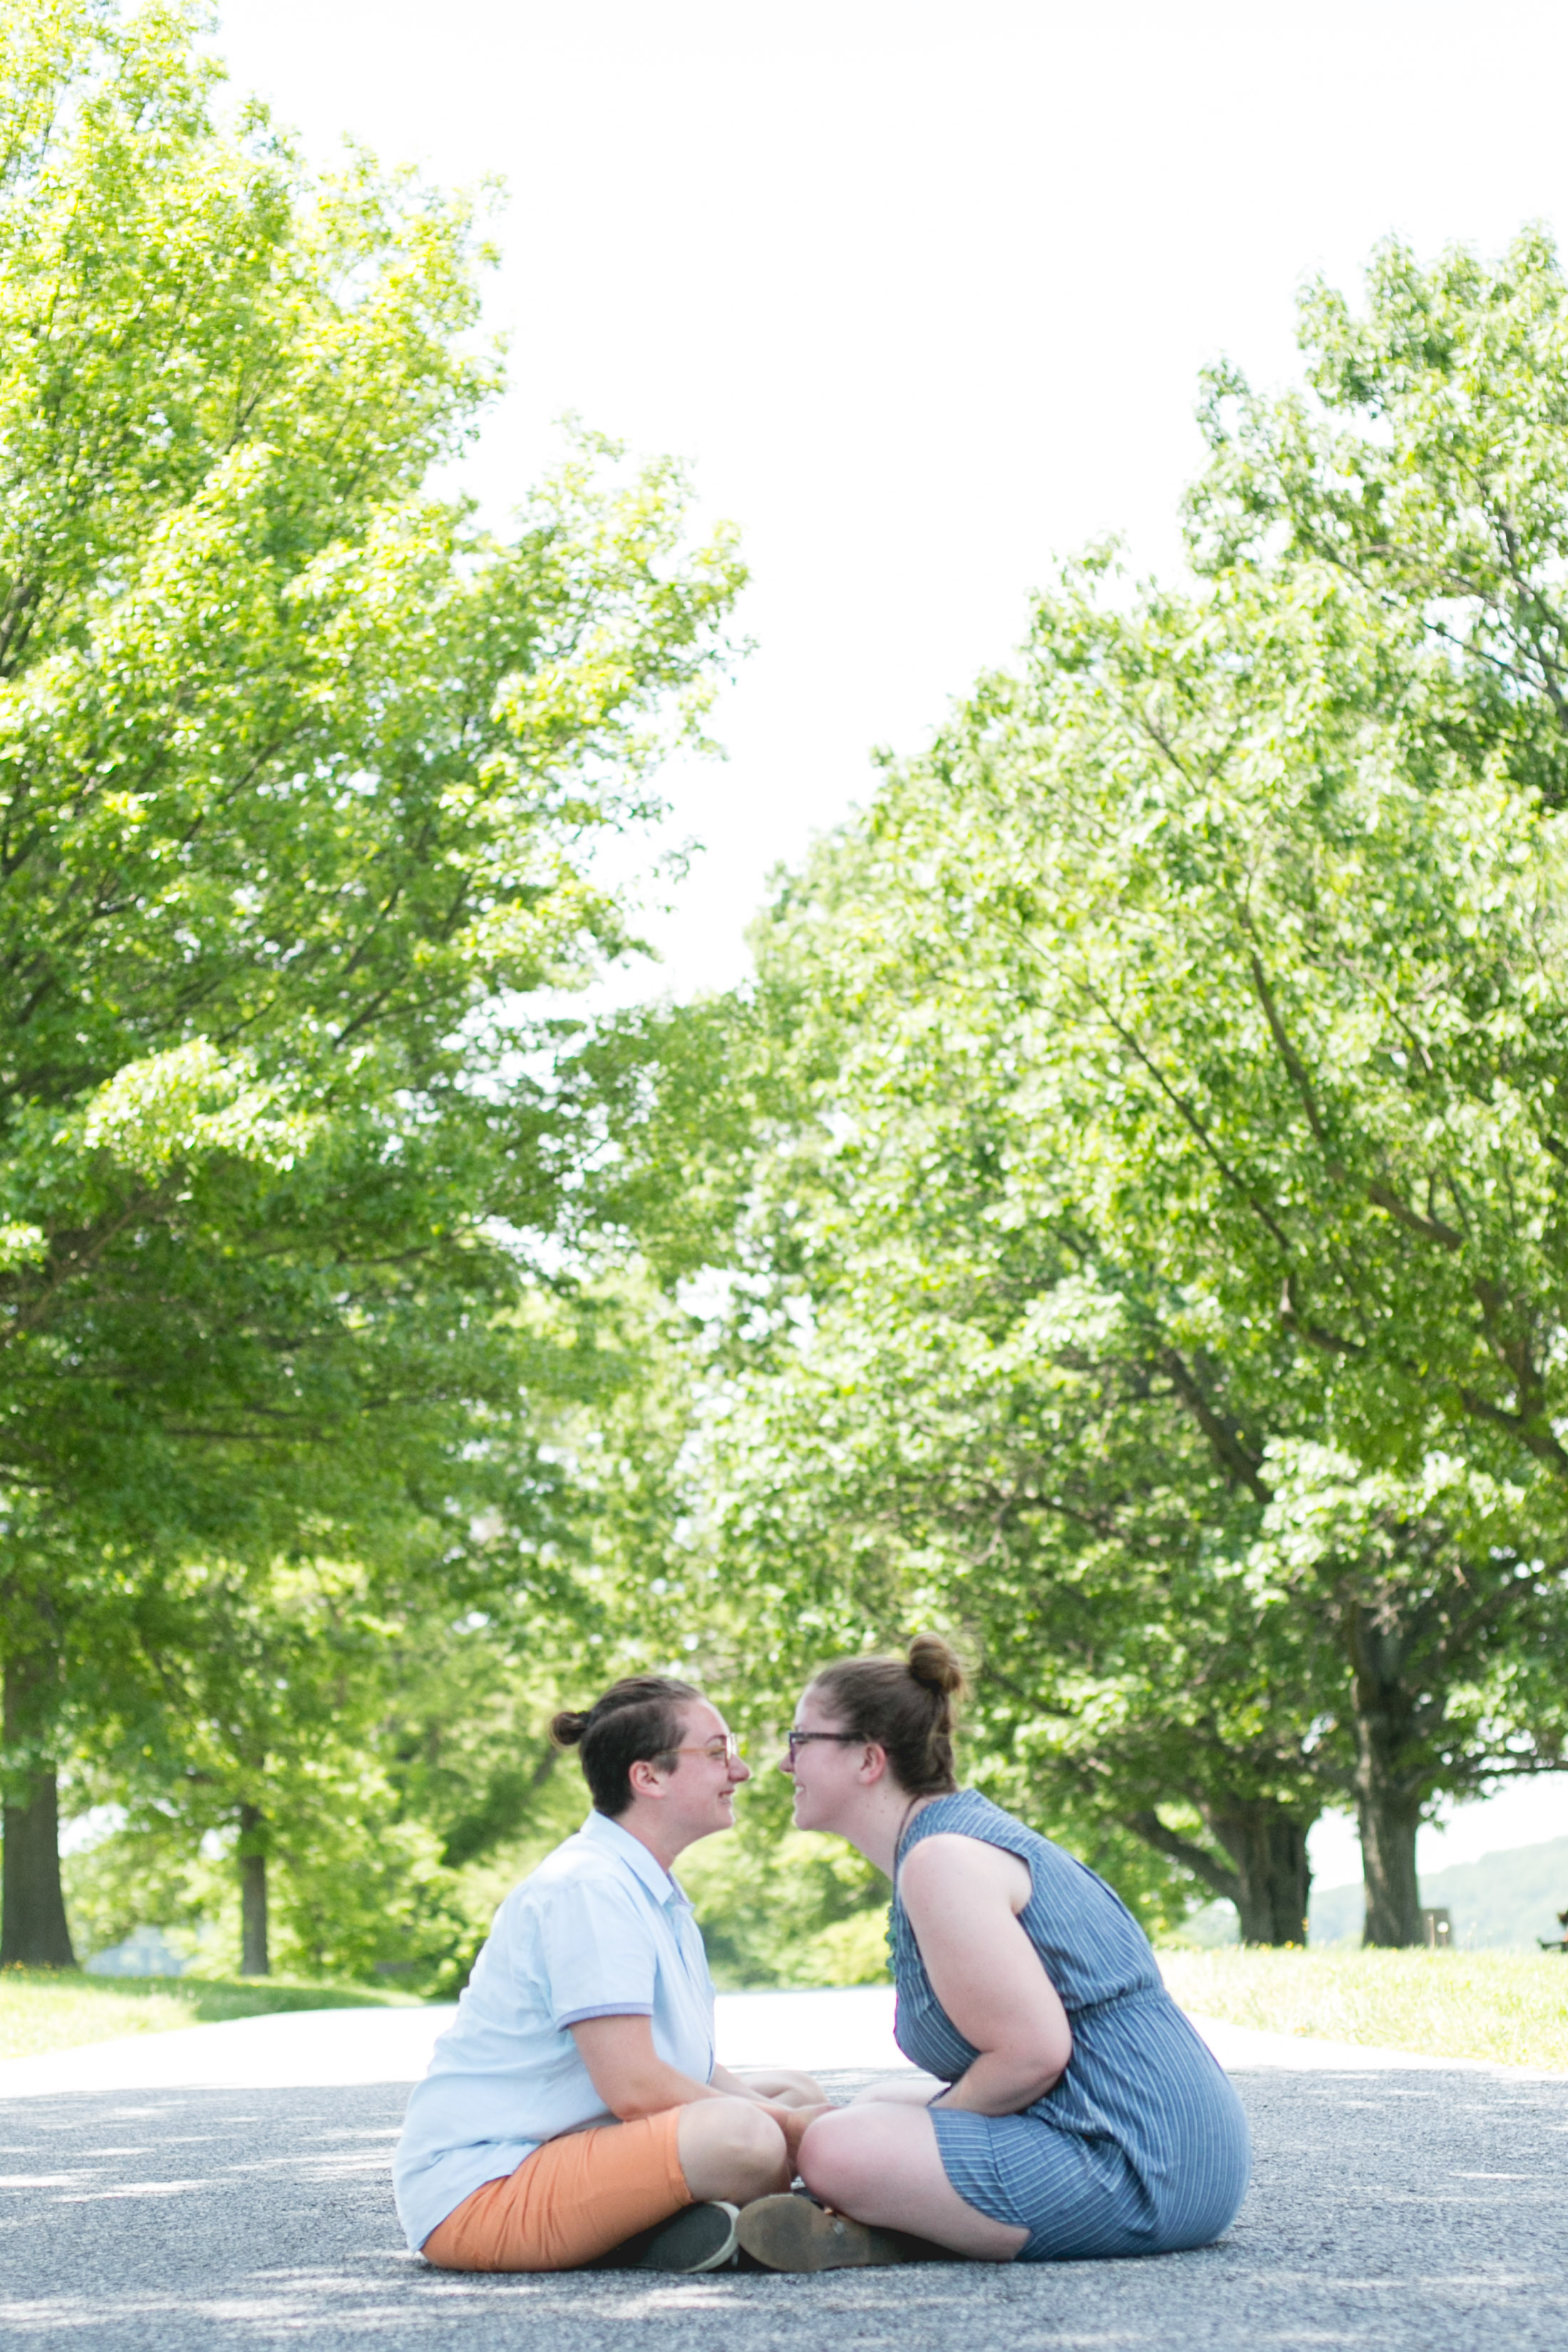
(731, 2150)
(900, 2092)
(783, 2086)
(881, 2163)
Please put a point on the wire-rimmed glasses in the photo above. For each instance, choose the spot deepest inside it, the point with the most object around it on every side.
(720, 1750)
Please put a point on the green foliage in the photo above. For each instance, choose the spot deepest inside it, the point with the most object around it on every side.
(299, 774)
(779, 1907)
(1144, 1253)
(392, 1743)
(1123, 1225)
(297, 759)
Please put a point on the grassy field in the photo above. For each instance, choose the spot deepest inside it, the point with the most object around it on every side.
(42, 2010)
(1511, 2006)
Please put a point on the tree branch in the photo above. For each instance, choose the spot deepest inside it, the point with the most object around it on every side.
(1222, 1433)
(1215, 1876)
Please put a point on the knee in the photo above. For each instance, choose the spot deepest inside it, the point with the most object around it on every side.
(747, 2143)
(756, 2135)
(834, 2152)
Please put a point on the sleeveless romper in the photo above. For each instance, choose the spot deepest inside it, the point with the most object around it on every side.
(1141, 2147)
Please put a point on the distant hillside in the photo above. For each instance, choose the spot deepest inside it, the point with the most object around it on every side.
(1501, 1902)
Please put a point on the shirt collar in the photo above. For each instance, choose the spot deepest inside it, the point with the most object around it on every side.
(602, 1831)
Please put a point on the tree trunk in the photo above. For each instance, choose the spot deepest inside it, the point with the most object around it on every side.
(1267, 1843)
(1388, 1790)
(254, 1961)
(33, 1929)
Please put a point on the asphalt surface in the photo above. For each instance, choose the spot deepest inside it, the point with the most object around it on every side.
(1388, 2208)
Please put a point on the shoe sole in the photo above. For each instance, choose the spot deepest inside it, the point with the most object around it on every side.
(793, 2234)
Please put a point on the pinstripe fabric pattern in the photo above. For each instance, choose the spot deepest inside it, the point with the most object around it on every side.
(1141, 2147)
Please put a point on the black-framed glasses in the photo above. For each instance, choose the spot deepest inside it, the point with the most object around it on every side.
(799, 1740)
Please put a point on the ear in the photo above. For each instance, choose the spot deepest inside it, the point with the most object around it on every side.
(646, 1777)
(873, 1764)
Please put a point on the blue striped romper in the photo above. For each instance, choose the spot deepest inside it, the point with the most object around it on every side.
(1141, 2147)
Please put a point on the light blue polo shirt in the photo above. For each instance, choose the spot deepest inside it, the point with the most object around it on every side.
(600, 1929)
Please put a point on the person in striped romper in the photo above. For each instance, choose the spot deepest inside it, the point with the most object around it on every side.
(1080, 2115)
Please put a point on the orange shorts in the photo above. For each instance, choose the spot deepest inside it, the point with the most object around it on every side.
(569, 2202)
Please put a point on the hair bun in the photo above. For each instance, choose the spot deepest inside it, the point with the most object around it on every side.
(568, 1728)
(935, 1662)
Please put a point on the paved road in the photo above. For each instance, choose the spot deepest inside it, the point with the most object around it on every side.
(850, 2029)
(1391, 2208)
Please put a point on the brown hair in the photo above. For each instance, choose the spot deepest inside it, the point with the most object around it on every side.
(905, 1705)
(636, 1721)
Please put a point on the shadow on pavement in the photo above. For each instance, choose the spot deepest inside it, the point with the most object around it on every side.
(1388, 2209)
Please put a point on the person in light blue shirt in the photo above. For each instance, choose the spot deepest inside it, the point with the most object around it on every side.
(574, 2108)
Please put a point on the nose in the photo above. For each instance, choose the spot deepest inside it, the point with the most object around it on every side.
(739, 1771)
(786, 1762)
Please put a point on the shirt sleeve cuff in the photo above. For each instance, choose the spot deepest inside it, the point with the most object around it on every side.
(606, 2008)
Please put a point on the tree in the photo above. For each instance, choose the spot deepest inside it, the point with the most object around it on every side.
(1131, 1684)
(1271, 874)
(359, 1741)
(920, 1403)
(300, 768)
(1246, 903)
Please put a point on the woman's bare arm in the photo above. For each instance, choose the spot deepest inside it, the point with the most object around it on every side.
(963, 1898)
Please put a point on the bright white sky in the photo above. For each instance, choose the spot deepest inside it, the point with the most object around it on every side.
(921, 287)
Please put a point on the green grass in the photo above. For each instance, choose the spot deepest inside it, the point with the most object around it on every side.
(57, 2010)
(1508, 2006)
(1511, 2006)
